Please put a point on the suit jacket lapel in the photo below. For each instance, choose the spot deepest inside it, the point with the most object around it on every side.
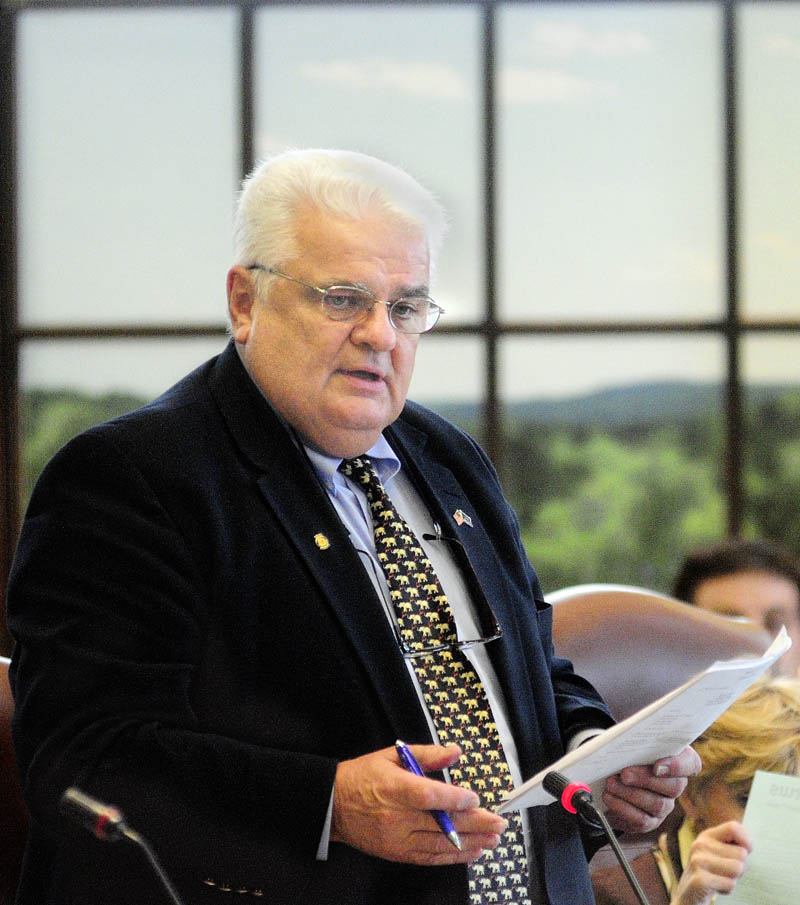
(445, 496)
(292, 491)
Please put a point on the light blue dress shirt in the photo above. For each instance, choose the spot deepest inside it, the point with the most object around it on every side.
(352, 507)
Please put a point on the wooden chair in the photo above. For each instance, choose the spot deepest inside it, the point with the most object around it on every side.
(634, 646)
(13, 815)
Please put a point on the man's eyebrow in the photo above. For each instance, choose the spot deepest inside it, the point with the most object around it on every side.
(413, 291)
(345, 283)
(418, 291)
(728, 610)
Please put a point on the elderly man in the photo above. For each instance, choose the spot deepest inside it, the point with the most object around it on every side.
(231, 603)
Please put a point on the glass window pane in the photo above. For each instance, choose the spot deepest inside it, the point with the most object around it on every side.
(449, 377)
(770, 123)
(402, 83)
(66, 386)
(128, 164)
(771, 375)
(612, 453)
(610, 142)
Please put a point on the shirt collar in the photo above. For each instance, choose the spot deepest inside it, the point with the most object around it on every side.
(382, 455)
(686, 836)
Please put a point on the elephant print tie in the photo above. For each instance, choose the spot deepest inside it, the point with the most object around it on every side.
(450, 686)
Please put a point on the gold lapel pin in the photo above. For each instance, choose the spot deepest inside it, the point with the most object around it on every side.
(321, 541)
(461, 518)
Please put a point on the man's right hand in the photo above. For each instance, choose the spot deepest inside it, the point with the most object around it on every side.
(382, 809)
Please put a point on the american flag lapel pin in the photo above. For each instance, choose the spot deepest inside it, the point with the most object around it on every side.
(461, 518)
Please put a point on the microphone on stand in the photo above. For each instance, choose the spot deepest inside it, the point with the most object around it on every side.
(107, 824)
(576, 797)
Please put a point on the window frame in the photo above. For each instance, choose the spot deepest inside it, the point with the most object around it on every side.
(489, 330)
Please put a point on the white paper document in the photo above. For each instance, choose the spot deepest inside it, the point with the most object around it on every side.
(772, 815)
(661, 729)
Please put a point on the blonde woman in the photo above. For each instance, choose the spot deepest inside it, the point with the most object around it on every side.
(708, 851)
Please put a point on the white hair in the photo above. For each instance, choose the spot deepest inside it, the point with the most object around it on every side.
(341, 183)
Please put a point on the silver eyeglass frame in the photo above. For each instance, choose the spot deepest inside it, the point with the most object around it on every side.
(434, 311)
(489, 625)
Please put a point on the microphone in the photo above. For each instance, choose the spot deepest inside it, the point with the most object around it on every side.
(103, 821)
(106, 823)
(576, 797)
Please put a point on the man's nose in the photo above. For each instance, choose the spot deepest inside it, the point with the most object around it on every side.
(375, 330)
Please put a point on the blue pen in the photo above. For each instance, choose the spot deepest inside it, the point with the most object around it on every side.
(408, 760)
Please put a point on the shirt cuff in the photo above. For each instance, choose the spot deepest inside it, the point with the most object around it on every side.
(325, 839)
(582, 736)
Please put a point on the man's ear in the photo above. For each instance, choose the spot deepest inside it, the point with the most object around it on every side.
(241, 296)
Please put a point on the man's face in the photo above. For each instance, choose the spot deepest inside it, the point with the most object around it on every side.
(763, 597)
(338, 384)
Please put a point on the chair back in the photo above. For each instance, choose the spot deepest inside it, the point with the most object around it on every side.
(13, 814)
(635, 645)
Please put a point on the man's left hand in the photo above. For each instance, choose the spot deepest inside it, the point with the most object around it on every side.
(639, 798)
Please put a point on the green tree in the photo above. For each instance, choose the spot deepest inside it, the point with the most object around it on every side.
(49, 418)
(631, 515)
(772, 474)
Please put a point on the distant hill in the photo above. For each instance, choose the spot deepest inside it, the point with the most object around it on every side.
(634, 404)
(637, 404)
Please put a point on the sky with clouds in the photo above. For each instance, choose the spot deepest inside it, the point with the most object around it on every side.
(609, 180)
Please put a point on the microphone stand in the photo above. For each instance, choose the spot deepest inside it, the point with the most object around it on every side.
(107, 824)
(577, 798)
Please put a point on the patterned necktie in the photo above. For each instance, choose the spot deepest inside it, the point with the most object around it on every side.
(450, 686)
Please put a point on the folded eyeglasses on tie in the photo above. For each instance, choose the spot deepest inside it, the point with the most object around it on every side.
(490, 629)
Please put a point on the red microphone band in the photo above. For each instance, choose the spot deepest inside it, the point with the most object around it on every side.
(103, 818)
(568, 794)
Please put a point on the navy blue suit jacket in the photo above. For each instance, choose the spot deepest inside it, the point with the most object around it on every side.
(189, 652)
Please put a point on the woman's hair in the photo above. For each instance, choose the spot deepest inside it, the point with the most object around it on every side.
(339, 183)
(759, 731)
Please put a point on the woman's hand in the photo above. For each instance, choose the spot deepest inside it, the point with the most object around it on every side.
(717, 859)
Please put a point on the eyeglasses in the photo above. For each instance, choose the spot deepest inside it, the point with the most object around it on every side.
(409, 314)
(489, 628)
